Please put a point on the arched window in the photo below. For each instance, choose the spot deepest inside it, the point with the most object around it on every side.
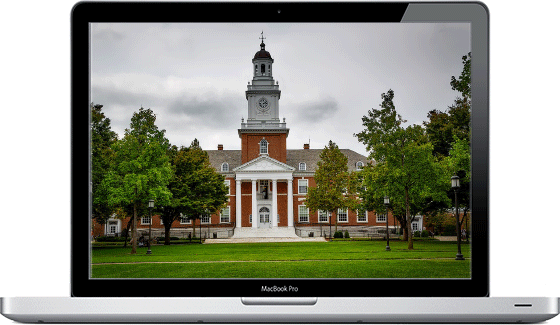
(359, 165)
(263, 69)
(264, 146)
(225, 167)
(264, 209)
(302, 166)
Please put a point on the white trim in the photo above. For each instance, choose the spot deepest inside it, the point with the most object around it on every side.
(358, 216)
(228, 215)
(225, 167)
(306, 186)
(378, 220)
(209, 219)
(302, 164)
(340, 211)
(326, 213)
(228, 183)
(300, 214)
(359, 168)
(261, 147)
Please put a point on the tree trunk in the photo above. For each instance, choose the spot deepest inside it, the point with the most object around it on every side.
(127, 230)
(167, 233)
(134, 241)
(408, 220)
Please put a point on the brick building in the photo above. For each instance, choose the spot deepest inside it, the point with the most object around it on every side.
(268, 182)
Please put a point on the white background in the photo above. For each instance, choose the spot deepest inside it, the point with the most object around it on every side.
(35, 148)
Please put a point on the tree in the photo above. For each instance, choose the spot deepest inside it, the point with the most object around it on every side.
(102, 138)
(405, 168)
(336, 186)
(196, 186)
(142, 170)
(444, 127)
(450, 132)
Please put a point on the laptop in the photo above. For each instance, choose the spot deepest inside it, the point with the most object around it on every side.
(307, 273)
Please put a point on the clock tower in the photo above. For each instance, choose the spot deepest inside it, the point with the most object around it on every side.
(263, 133)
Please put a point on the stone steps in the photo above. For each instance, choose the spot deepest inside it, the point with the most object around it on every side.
(277, 232)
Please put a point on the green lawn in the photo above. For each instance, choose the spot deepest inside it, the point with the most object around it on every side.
(337, 259)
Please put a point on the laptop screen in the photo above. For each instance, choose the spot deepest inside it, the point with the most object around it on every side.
(280, 151)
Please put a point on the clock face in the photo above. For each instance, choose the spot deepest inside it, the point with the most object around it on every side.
(263, 105)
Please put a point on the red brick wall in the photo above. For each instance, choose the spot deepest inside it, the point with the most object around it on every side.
(250, 146)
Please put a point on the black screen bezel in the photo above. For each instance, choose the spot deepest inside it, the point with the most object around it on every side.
(85, 13)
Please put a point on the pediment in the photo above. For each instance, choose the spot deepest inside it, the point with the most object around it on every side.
(264, 164)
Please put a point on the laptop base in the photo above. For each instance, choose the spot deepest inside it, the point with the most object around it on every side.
(285, 310)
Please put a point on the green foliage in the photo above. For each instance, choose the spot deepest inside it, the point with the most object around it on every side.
(405, 169)
(336, 186)
(102, 138)
(141, 169)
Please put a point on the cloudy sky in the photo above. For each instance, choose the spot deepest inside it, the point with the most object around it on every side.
(194, 76)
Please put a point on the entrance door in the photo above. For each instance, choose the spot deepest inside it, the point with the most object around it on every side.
(264, 218)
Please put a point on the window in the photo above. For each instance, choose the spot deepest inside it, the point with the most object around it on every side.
(225, 167)
(184, 220)
(342, 215)
(264, 215)
(226, 182)
(146, 220)
(302, 166)
(303, 213)
(415, 226)
(361, 215)
(263, 189)
(302, 186)
(262, 68)
(205, 218)
(264, 146)
(323, 216)
(381, 218)
(359, 165)
(224, 215)
(112, 229)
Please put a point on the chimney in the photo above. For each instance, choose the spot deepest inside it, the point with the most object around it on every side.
(220, 147)
(306, 146)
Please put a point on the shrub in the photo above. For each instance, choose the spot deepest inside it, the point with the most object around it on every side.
(346, 234)
(425, 234)
(338, 234)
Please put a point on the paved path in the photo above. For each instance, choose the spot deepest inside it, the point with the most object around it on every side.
(264, 240)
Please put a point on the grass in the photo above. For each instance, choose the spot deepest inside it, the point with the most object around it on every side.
(337, 259)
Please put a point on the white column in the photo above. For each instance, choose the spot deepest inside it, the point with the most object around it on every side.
(290, 204)
(274, 204)
(238, 204)
(254, 206)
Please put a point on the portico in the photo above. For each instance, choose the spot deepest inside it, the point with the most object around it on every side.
(264, 174)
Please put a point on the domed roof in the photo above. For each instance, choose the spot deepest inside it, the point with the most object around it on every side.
(262, 54)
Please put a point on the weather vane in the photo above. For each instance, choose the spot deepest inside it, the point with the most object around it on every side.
(262, 38)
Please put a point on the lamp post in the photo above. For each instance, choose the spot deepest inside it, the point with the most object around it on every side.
(455, 186)
(387, 202)
(151, 207)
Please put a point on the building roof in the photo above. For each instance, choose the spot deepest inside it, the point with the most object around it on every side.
(293, 158)
(262, 54)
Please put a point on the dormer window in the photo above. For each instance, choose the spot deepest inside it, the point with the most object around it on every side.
(264, 147)
(302, 166)
(225, 167)
(359, 165)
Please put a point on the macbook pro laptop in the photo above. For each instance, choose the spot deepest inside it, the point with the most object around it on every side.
(280, 162)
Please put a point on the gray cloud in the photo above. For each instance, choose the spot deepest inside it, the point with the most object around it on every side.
(317, 111)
